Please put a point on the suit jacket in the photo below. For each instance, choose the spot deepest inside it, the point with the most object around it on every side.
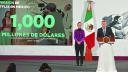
(108, 33)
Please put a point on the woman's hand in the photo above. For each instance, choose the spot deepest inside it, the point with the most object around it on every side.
(78, 42)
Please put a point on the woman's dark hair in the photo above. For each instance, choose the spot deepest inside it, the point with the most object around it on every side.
(11, 68)
(44, 66)
(6, 13)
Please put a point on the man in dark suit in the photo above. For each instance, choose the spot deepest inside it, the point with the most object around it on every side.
(104, 30)
(105, 51)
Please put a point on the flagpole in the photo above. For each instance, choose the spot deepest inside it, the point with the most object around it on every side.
(89, 5)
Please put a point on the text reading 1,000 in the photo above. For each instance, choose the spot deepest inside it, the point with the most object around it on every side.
(38, 21)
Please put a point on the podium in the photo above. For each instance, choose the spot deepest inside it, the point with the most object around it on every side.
(105, 39)
(106, 62)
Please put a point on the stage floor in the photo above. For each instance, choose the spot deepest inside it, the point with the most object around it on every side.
(59, 66)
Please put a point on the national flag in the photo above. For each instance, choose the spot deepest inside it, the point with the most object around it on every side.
(89, 31)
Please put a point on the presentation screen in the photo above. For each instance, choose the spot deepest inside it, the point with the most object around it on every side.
(36, 22)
